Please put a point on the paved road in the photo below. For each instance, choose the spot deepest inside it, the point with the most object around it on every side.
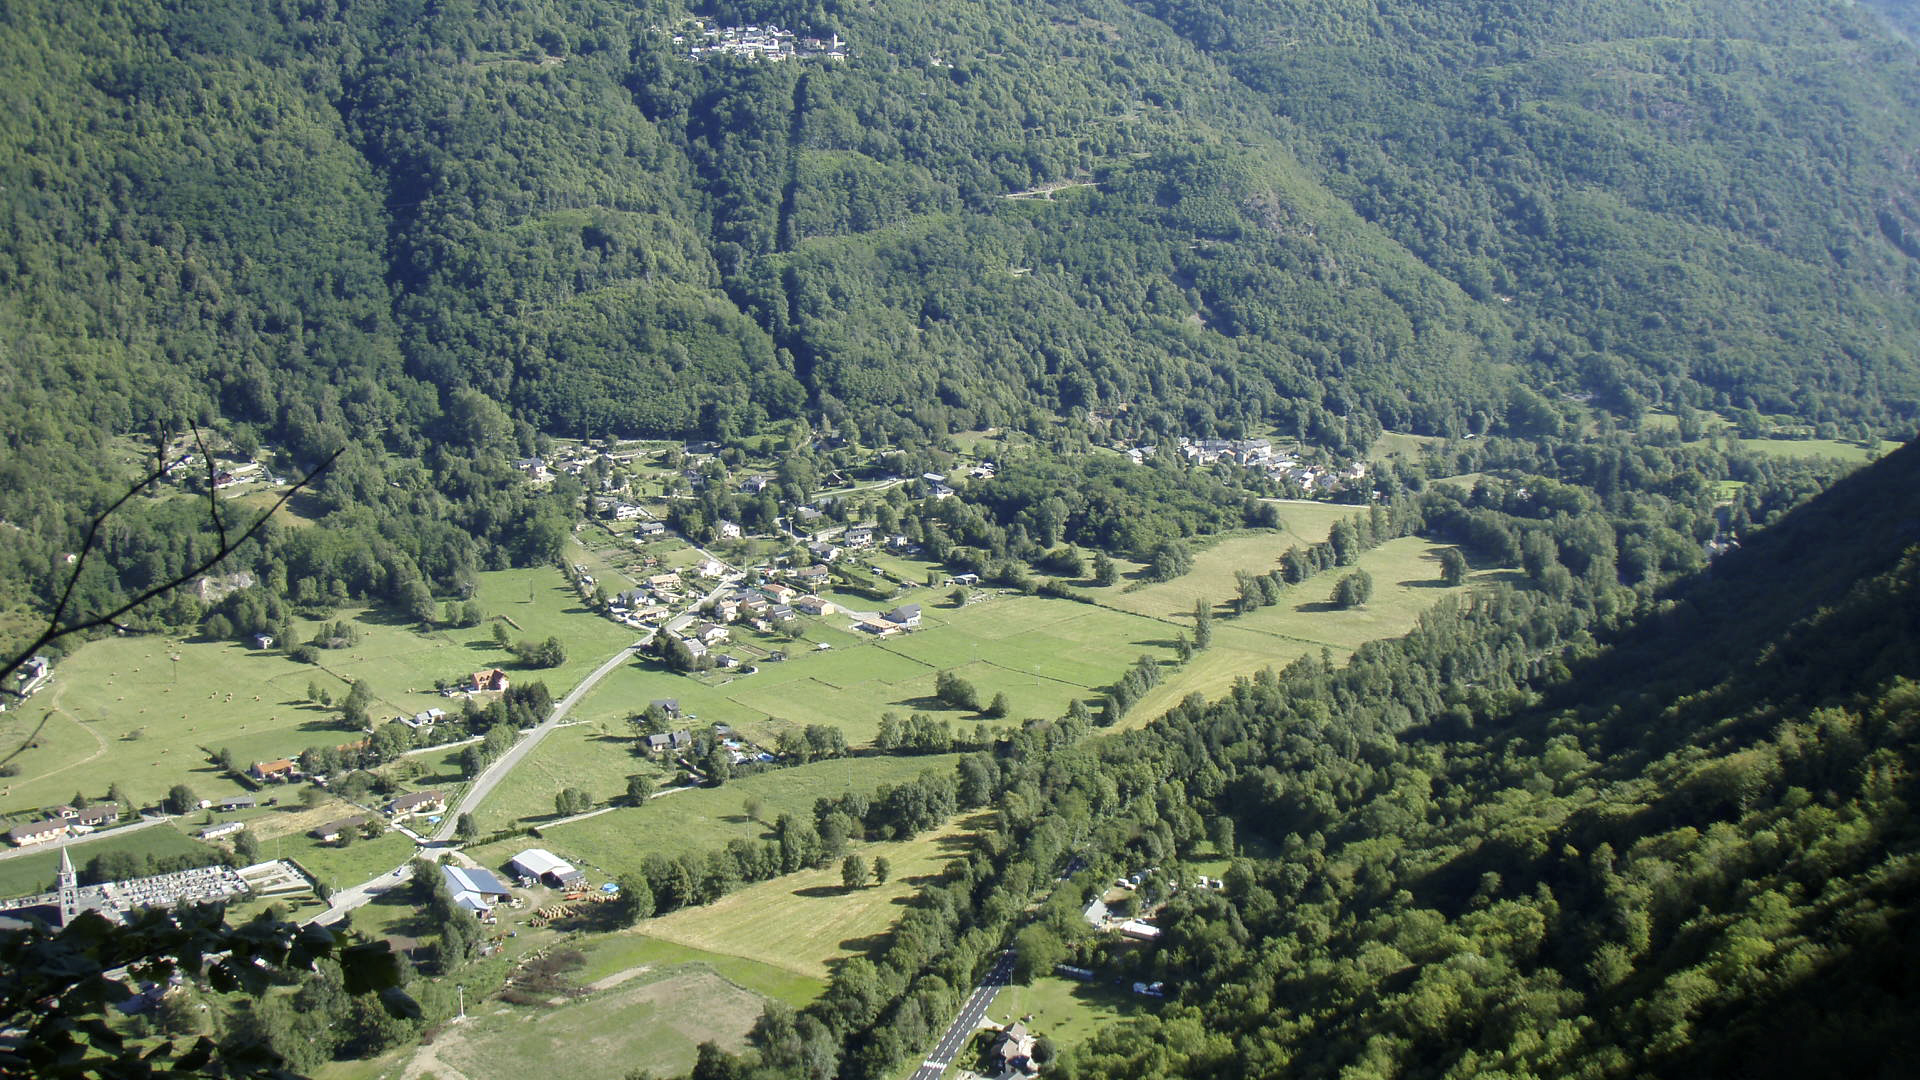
(363, 894)
(359, 895)
(971, 1015)
(483, 786)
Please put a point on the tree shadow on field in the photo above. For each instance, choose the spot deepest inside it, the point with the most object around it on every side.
(867, 944)
(1317, 607)
(925, 703)
(1423, 583)
(822, 892)
(1156, 643)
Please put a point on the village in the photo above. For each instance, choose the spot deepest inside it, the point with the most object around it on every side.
(704, 40)
(811, 566)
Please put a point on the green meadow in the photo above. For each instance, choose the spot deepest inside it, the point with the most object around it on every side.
(693, 819)
(149, 711)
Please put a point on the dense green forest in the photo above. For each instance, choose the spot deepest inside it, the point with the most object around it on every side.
(1568, 829)
(1634, 812)
(429, 233)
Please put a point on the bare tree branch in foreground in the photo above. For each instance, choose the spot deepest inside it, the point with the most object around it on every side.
(57, 625)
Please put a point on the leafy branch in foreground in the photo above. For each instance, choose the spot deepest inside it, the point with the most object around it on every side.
(57, 989)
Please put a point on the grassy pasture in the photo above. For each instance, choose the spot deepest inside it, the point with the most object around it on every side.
(596, 756)
(124, 710)
(805, 922)
(28, 874)
(1392, 444)
(701, 819)
(654, 1020)
(1042, 653)
(1305, 524)
(624, 951)
(1406, 582)
(1066, 1010)
(1834, 449)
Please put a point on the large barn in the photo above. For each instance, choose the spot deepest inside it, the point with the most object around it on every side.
(544, 865)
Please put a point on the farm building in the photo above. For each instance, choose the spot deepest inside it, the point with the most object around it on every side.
(280, 771)
(490, 679)
(907, 615)
(238, 802)
(1140, 931)
(543, 865)
(225, 828)
(476, 890)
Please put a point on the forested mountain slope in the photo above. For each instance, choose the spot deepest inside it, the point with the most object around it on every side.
(430, 231)
(1685, 848)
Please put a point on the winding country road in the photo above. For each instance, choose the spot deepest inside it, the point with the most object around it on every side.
(491, 776)
(355, 896)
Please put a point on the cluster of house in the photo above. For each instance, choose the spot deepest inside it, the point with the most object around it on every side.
(1259, 455)
(763, 607)
(227, 828)
(755, 43)
(287, 770)
(739, 751)
(66, 821)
